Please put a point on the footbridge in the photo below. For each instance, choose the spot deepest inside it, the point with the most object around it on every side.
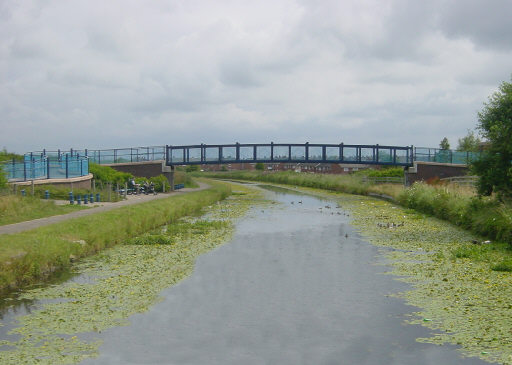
(294, 152)
(421, 163)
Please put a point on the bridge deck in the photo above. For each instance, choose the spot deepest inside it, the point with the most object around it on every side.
(294, 153)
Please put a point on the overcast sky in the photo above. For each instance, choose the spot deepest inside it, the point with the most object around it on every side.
(106, 74)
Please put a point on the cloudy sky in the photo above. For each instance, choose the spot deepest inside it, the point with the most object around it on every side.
(105, 74)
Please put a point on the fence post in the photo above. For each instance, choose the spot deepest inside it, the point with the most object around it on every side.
(67, 166)
(48, 167)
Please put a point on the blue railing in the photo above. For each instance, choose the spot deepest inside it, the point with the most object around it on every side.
(47, 164)
(46, 167)
(113, 155)
(296, 152)
(444, 156)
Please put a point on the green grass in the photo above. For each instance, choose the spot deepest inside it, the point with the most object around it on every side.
(342, 183)
(34, 255)
(15, 208)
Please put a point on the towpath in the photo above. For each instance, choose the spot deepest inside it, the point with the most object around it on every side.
(96, 208)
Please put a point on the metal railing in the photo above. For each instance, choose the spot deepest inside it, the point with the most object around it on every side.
(46, 167)
(280, 152)
(41, 164)
(112, 155)
(426, 154)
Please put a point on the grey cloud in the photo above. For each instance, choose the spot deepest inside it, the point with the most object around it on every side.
(486, 23)
(397, 72)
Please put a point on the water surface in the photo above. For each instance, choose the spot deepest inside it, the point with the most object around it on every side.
(297, 285)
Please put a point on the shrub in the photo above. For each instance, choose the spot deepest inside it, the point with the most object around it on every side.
(105, 174)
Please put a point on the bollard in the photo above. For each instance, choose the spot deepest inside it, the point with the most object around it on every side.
(46, 194)
(97, 197)
(91, 198)
(78, 201)
(71, 200)
(85, 198)
(23, 192)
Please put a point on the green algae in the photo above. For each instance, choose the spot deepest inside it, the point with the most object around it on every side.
(459, 295)
(116, 284)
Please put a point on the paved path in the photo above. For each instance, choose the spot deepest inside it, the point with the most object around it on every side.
(97, 207)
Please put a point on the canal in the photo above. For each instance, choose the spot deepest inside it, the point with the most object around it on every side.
(295, 284)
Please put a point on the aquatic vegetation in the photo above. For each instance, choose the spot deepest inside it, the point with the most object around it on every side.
(456, 286)
(116, 283)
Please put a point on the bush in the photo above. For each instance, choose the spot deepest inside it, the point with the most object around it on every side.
(8, 156)
(105, 174)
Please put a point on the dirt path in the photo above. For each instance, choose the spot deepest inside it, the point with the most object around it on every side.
(96, 208)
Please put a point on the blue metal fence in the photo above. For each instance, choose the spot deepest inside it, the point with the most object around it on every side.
(46, 167)
(280, 152)
(112, 155)
(444, 156)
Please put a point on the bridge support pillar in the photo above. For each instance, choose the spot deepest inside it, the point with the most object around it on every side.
(168, 172)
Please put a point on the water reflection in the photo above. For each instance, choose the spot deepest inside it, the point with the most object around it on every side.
(297, 285)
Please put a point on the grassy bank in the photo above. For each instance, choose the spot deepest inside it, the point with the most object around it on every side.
(484, 216)
(34, 255)
(15, 208)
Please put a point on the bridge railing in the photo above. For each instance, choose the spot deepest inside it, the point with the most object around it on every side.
(46, 167)
(109, 156)
(280, 152)
(444, 156)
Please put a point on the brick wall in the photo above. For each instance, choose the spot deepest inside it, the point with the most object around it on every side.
(423, 171)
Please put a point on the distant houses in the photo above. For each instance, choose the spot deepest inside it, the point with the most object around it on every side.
(324, 168)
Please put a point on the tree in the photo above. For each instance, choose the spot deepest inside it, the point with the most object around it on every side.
(495, 124)
(470, 143)
(444, 145)
(259, 166)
